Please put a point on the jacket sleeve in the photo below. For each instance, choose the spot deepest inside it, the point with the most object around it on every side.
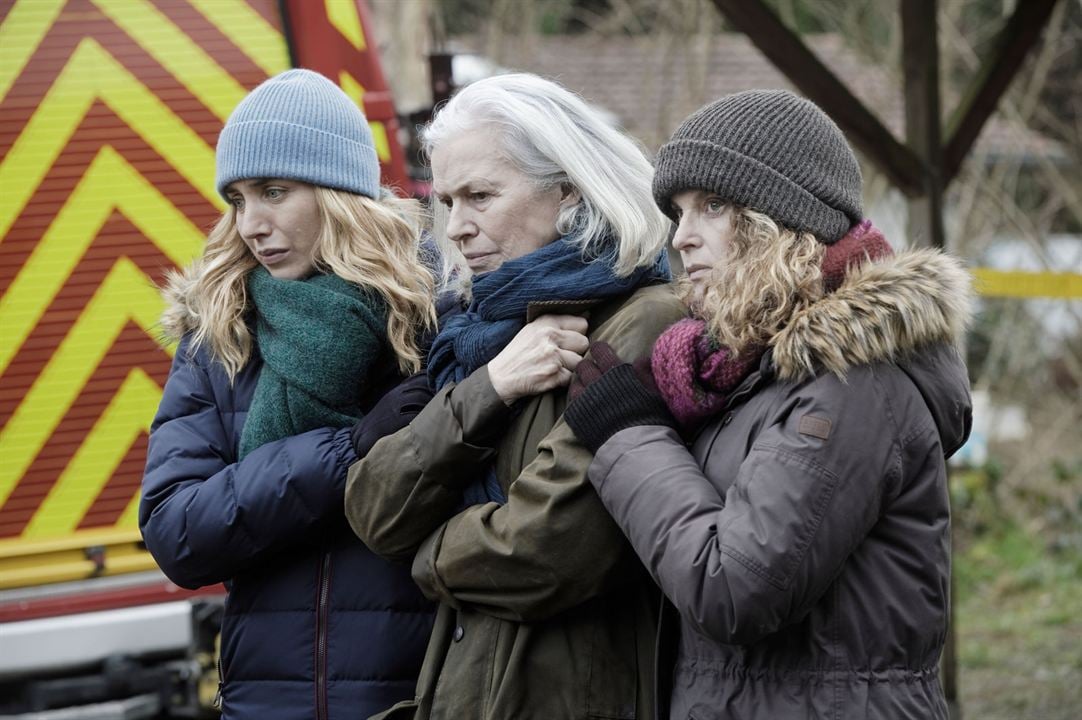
(411, 481)
(203, 516)
(743, 565)
(552, 546)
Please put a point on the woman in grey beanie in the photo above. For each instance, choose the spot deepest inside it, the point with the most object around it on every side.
(303, 309)
(778, 463)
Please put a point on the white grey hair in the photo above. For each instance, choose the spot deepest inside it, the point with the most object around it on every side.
(554, 138)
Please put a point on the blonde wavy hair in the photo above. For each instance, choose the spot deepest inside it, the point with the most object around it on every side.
(371, 243)
(769, 274)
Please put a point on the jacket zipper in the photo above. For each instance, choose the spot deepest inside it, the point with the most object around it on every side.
(221, 683)
(321, 636)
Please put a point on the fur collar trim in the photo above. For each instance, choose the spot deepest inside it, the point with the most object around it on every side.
(180, 315)
(882, 310)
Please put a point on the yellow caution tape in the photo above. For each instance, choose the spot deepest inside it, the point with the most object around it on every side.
(1020, 284)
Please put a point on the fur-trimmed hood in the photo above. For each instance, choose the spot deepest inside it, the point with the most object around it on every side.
(911, 308)
(180, 315)
(883, 310)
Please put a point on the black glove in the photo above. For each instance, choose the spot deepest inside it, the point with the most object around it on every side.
(608, 396)
(393, 412)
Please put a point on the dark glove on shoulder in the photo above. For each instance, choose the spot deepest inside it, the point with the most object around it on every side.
(393, 412)
(608, 395)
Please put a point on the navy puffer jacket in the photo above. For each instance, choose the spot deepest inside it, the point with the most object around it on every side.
(316, 625)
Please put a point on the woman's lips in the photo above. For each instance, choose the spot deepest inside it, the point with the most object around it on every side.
(698, 272)
(478, 259)
(272, 257)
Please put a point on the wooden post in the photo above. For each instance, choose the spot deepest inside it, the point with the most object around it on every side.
(920, 64)
(1013, 43)
(787, 52)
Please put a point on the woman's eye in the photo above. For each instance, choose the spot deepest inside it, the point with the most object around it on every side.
(715, 206)
(237, 202)
(275, 193)
(479, 196)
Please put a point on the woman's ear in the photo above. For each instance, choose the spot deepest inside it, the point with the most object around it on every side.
(569, 195)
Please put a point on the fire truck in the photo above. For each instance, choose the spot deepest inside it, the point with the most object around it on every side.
(109, 114)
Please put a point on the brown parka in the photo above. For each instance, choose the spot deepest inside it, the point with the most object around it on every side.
(545, 613)
(804, 537)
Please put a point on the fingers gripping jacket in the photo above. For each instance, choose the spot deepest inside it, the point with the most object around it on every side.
(615, 401)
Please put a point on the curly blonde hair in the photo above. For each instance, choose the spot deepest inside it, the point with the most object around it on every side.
(769, 274)
(372, 243)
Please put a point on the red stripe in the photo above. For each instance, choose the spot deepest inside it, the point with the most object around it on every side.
(113, 499)
(81, 601)
(269, 10)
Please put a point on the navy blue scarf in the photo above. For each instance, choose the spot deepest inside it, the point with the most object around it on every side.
(497, 311)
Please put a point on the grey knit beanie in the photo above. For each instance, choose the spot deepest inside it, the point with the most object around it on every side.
(769, 151)
(298, 125)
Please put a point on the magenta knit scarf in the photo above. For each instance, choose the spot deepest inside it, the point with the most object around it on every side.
(696, 376)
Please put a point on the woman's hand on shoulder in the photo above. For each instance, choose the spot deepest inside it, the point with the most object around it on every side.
(394, 411)
(541, 357)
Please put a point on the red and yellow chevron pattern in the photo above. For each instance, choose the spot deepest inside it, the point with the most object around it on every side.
(109, 111)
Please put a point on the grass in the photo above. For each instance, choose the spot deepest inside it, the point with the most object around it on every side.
(1019, 621)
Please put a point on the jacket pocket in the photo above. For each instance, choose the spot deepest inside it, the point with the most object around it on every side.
(405, 710)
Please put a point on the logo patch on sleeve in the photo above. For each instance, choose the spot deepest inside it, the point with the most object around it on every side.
(814, 426)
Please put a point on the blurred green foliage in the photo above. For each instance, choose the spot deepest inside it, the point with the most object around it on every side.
(1018, 592)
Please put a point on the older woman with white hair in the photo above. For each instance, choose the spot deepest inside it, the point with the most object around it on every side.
(544, 612)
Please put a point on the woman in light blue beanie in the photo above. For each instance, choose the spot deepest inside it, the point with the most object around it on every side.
(304, 309)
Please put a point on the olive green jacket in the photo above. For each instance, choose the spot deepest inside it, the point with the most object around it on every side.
(544, 610)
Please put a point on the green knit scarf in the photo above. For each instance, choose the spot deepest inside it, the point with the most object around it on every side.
(319, 339)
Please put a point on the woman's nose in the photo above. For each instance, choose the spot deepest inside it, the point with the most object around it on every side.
(252, 222)
(685, 235)
(459, 226)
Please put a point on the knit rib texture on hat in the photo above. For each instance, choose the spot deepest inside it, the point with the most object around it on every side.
(299, 125)
(769, 151)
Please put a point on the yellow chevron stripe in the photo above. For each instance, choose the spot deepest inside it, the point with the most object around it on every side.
(129, 413)
(26, 562)
(379, 139)
(14, 548)
(126, 294)
(20, 34)
(177, 52)
(110, 183)
(343, 15)
(352, 88)
(1020, 284)
(130, 517)
(247, 29)
(94, 73)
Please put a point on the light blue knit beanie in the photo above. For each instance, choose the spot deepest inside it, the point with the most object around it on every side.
(299, 125)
